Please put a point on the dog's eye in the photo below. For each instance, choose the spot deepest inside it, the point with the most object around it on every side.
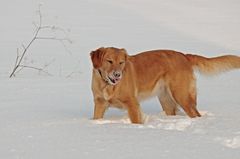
(110, 61)
(121, 62)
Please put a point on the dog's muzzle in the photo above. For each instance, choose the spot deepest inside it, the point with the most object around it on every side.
(114, 77)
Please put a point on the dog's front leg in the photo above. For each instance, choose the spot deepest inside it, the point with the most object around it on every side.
(100, 107)
(134, 111)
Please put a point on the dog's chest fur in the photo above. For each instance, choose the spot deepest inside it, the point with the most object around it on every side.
(109, 95)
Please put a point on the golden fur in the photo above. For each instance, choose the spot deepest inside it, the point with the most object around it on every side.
(122, 81)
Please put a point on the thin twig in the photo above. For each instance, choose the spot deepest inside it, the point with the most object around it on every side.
(20, 69)
(35, 68)
(48, 64)
(66, 48)
(58, 39)
(51, 38)
(18, 62)
(72, 73)
(23, 46)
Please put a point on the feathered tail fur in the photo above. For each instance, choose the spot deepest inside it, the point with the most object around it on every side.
(212, 66)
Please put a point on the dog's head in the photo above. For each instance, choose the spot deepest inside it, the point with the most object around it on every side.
(110, 62)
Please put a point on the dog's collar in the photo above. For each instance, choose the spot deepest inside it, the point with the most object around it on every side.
(99, 71)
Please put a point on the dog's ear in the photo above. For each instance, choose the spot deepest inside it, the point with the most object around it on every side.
(126, 54)
(96, 57)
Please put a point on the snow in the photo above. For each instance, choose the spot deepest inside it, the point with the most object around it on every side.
(50, 116)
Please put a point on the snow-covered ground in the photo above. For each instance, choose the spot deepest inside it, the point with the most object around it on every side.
(50, 117)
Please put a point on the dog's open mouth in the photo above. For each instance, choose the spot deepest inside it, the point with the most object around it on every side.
(113, 81)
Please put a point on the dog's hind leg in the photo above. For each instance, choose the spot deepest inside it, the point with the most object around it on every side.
(169, 105)
(183, 90)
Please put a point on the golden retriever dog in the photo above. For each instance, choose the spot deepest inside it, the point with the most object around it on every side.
(122, 81)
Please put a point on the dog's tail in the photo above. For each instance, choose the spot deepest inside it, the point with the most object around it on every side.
(212, 66)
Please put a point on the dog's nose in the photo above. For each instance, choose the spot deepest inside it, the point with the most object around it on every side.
(117, 74)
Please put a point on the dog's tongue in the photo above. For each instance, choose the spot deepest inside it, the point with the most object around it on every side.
(114, 80)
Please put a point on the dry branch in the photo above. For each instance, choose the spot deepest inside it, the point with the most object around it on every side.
(18, 66)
